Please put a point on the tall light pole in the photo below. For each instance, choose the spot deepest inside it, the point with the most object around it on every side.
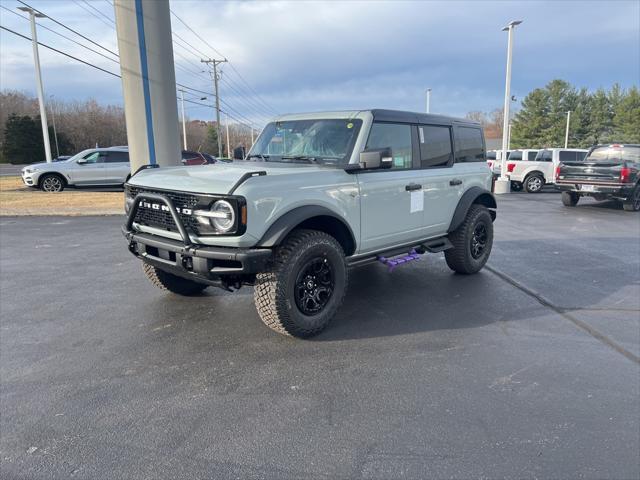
(184, 125)
(428, 92)
(509, 138)
(502, 185)
(566, 133)
(53, 122)
(33, 14)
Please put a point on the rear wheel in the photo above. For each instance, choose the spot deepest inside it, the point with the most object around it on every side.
(516, 186)
(534, 183)
(570, 199)
(304, 288)
(472, 242)
(167, 281)
(52, 183)
(632, 204)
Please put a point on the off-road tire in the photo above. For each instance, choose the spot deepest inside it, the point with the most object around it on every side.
(632, 204)
(460, 258)
(275, 290)
(534, 183)
(172, 283)
(570, 199)
(52, 183)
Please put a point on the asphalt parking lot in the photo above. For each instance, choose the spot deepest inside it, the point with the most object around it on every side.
(529, 369)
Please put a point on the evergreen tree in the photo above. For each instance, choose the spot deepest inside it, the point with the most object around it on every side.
(627, 118)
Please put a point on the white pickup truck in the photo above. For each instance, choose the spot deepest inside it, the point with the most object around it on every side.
(494, 159)
(532, 175)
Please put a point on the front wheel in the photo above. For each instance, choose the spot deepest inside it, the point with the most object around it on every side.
(570, 199)
(632, 204)
(302, 291)
(52, 183)
(472, 242)
(167, 281)
(534, 183)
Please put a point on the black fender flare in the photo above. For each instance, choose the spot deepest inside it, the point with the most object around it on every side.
(471, 196)
(279, 229)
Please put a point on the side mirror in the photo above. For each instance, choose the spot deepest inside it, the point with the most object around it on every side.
(376, 158)
(81, 161)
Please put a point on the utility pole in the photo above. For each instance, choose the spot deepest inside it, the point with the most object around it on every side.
(184, 127)
(503, 185)
(428, 100)
(228, 142)
(566, 133)
(53, 121)
(33, 14)
(216, 77)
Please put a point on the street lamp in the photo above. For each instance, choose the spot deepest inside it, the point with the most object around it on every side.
(428, 92)
(502, 185)
(53, 121)
(33, 14)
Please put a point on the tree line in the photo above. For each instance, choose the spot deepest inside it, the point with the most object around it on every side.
(600, 116)
(84, 124)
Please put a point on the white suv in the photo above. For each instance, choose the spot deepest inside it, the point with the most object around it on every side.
(92, 167)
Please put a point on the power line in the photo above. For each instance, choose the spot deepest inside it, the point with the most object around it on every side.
(60, 52)
(100, 12)
(92, 13)
(69, 28)
(61, 35)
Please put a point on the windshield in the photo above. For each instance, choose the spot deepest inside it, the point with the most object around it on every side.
(615, 153)
(315, 141)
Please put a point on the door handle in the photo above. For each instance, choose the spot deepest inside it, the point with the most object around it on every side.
(455, 181)
(412, 186)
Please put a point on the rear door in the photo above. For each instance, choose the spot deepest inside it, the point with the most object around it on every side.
(441, 181)
(117, 167)
(391, 200)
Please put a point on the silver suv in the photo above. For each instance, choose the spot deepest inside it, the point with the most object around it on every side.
(319, 193)
(92, 167)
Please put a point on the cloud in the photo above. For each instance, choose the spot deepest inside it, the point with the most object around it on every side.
(303, 56)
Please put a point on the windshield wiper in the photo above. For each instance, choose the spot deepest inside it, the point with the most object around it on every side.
(301, 157)
(258, 155)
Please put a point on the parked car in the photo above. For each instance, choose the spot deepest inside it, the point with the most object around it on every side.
(319, 193)
(92, 167)
(519, 156)
(197, 158)
(494, 160)
(608, 172)
(534, 175)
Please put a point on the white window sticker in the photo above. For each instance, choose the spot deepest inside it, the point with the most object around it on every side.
(417, 201)
(421, 130)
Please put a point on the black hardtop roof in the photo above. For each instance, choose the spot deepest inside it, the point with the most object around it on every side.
(415, 117)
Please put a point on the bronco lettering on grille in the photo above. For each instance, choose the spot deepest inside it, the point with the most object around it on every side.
(164, 208)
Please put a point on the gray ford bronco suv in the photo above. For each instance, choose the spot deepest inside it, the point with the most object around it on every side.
(317, 194)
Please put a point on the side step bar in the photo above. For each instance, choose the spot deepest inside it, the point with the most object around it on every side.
(432, 246)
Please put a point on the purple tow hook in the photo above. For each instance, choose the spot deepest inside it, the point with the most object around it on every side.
(394, 262)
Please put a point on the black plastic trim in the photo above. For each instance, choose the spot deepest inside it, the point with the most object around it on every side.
(469, 198)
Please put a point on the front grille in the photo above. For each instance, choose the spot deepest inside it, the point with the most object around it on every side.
(162, 219)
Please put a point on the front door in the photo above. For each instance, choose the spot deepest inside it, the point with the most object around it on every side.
(90, 171)
(391, 200)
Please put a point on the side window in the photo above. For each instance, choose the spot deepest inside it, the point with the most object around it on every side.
(566, 156)
(395, 136)
(95, 157)
(435, 145)
(531, 156)
(515, 155)
(469, 145)
(117, 157)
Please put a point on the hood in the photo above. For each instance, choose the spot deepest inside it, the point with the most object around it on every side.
(37, 165)
(218, 178)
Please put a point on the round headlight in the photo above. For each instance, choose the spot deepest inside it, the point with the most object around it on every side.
(225, 217)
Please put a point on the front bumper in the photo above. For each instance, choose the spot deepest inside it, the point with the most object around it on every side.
(30, 179)
(188, 260)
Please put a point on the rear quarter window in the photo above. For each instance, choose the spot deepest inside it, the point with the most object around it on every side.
(469, 145)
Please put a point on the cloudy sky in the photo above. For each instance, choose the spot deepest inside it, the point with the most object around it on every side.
(307, 55)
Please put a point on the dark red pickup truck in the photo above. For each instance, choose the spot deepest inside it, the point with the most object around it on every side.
(608, 172)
